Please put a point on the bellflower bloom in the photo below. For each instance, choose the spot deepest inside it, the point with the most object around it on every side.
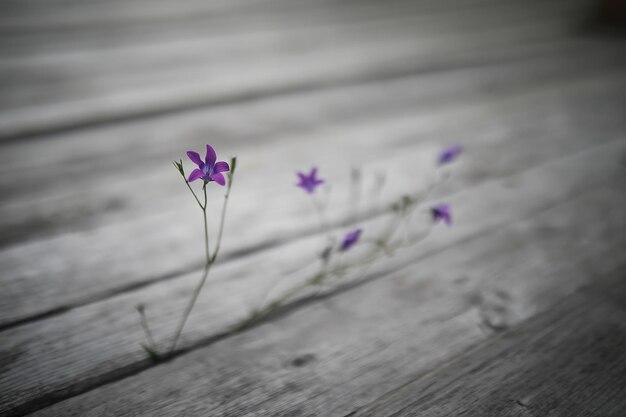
(309, 182)
(449, 154)
(441, 212)
(208, 170)
(350, 239)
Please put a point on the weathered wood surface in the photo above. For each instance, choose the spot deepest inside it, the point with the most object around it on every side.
(339, 353)
(81, 330)
(99, 97)
(496, 124)
(207, 74)
(569, 361)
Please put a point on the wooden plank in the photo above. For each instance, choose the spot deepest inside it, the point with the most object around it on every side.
(155, 56)
(111, 153)
(25, 30)
(569, 361)
(97, 343)
(41, 271)
(332, 356)
(371, 51)
(111, 175)
(47, 16)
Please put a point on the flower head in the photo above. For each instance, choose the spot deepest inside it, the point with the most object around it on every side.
(208, 170)
(441, 212)
(449, 154)
(309, 182)
(350, 239)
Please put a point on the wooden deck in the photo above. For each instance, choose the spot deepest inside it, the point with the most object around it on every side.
(519, 309)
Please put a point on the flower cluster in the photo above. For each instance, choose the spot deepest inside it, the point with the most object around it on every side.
(333, 264)
(385, 244)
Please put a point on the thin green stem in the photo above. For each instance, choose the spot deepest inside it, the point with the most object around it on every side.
(355, 191)
(220, 231)
(210, 259)
(146, 328)
(192, 302)
(286, 295)
(323, 224)
(195, 196)
(206, 227)
(205, 274)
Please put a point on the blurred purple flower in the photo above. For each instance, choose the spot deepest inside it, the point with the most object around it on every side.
(441, 212)
(350, 239)
(208, 170)
(449, 154)
(309, 182)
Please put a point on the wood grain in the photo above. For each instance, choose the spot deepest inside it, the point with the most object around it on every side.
(105, 334)
(332, 356)
(41, 270)
(518, 309)
(159, 82)
(569, 361)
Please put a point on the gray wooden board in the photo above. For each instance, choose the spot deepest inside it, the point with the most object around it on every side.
(47, 17)
(97, 343)
(358, 57)
(553, 122)
(333, 356)
(569, 361)
(110, 156)
(120, 67)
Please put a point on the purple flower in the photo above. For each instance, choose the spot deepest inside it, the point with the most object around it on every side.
(350, 239)
(441, 212)
(208, 170)
(449, 154)
(309, 182)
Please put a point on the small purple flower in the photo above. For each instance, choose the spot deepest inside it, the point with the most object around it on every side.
(208, 170)
(350, 239)
(309, 182)
(441, 212)
(449, 154)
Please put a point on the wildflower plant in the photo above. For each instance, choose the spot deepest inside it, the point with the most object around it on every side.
(209, 170)
(332, 265)
(353, 250)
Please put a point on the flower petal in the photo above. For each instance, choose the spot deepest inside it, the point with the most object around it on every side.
(221, 166)
(218, 178)
(350, 239)
(449, 154)
(195, 174)
(195, 157)
(210, 157)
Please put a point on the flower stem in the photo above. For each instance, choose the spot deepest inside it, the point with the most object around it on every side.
(195, 196)
(210, 259)
(192, 302)
(205, 274)
(146, 328)
(222, 217)
(206, 226)
(269, 307)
